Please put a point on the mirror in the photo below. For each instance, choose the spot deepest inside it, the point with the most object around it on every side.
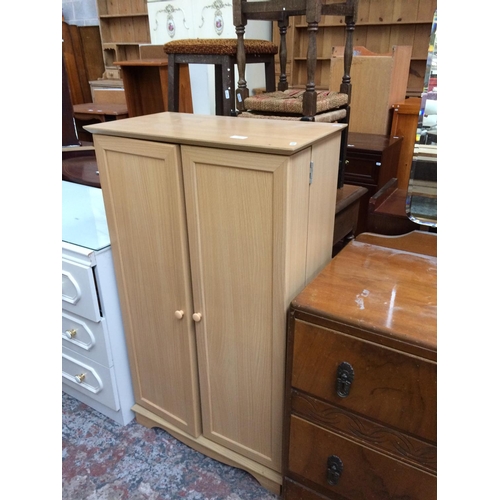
(421, 200)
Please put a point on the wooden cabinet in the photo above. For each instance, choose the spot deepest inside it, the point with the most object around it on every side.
(124, 26)
(372, 162)
(361, 375)
(215, 228)
(380, 26)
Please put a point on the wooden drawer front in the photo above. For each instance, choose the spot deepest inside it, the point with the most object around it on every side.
(79, 294)
(389, 386)
(363, 170)
(296, 491)
(98, 383)
(86, 338)
(365, 475)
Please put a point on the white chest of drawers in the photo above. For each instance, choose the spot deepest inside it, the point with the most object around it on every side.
(95, 367)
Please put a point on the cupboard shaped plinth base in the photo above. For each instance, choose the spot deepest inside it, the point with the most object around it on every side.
(269, 479)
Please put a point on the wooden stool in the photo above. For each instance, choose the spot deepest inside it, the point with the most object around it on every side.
(221, 53)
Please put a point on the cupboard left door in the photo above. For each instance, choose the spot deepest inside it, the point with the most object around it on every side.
(143, 195)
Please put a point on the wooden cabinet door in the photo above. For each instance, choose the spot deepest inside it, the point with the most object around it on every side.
(235, 204)
(142, 188)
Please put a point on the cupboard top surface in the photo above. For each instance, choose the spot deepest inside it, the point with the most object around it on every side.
(383, 290)
(83, 216)
(244, 134)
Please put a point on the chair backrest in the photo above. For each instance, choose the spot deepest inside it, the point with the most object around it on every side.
(280, 11)
(381, 81)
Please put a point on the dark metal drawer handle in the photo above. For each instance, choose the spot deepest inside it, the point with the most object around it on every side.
(334, 467)
(345, 377)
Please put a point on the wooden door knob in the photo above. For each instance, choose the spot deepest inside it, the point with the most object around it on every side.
(197, 317)
(179, 314)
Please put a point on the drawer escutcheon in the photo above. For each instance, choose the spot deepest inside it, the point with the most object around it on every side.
(334, 468)
(345, 378)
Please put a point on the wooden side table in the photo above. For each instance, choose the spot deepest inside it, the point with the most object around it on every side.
(146, 86)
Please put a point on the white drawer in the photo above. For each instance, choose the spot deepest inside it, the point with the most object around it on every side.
(98, 381)
(79, 294)
(86, 338)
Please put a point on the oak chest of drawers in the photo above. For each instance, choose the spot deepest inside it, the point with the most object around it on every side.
(361, 376)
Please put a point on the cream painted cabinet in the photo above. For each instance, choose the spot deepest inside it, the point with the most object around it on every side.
(216, 224)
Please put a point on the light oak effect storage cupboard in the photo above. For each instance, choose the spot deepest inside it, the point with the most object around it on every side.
(216, 223)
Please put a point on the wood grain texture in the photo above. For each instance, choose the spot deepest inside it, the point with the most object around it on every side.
(401, 446)
(235, 211)
(141, 189)
(349, 290)
(379, 81)
(265, 136)
(388, 386)
(366, 473)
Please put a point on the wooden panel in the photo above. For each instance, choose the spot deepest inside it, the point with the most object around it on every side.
(74, 60)
(404, 124)
(236, 222)
(322, 200)
(389, 311)
(141, 188)
(388, 385)
(366, 473)
(92, 50)
(235, 207)
(380, 81)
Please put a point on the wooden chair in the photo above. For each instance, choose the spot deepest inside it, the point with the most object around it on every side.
(306, 104)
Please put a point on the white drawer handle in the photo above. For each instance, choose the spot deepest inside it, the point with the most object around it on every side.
(197, 317)
(70, 334)
(80, 378)
(179, 314)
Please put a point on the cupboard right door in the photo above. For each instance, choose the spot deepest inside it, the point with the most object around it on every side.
(142, 189)
(236, 211)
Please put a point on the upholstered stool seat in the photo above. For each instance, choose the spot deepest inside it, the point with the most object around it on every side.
(220, 52)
